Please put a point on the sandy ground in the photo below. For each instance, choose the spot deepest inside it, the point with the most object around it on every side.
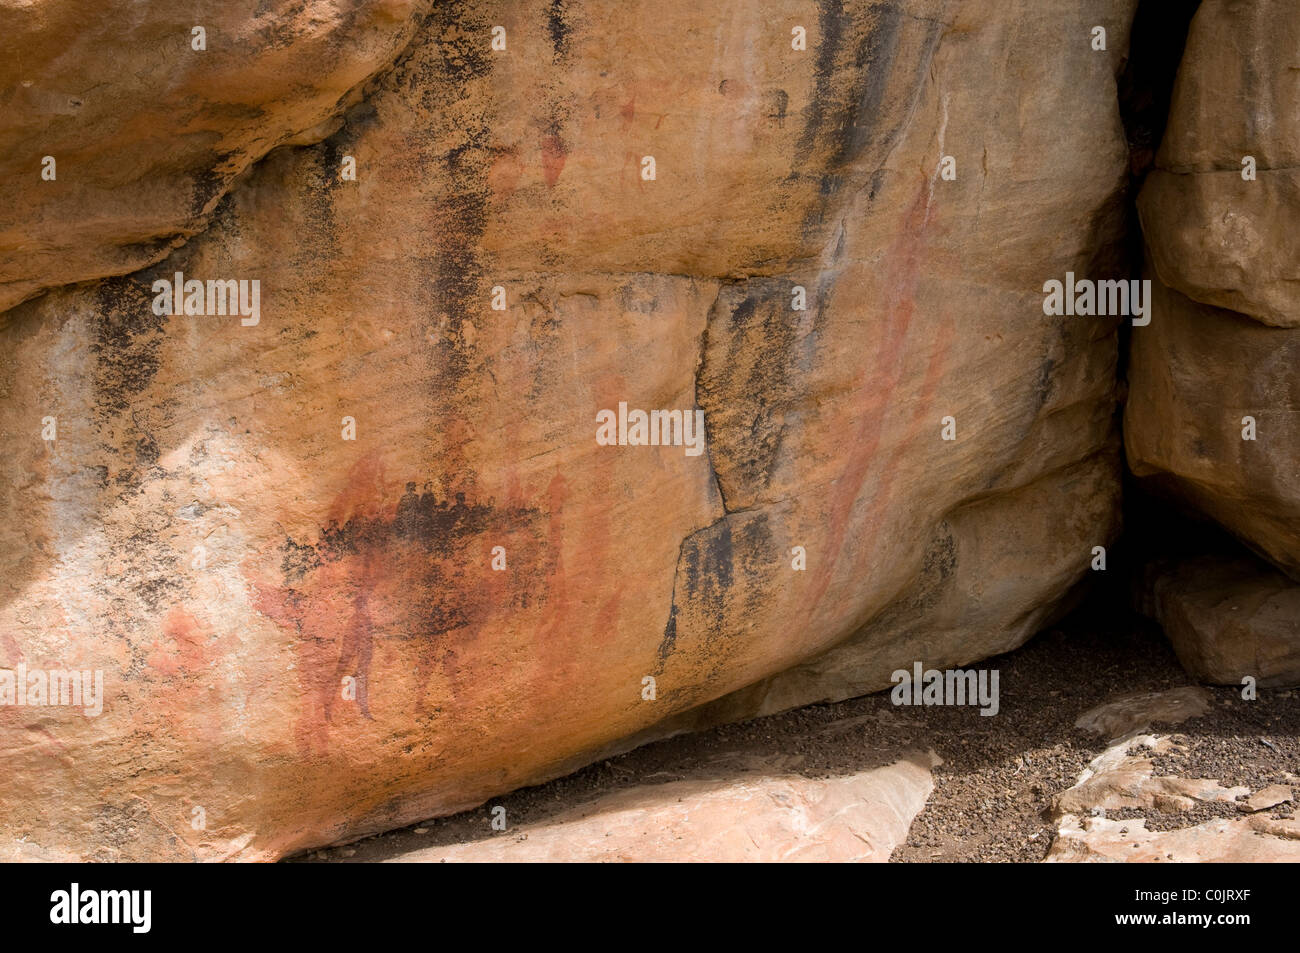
(999, 773)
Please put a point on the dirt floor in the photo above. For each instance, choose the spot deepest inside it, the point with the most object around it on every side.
(999, 773)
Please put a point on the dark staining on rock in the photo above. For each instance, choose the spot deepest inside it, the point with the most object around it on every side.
(127, 339)
(841, 123)
(940, 559)
(279, 33)
(825, 110)
(150, 582)
(209, 185)
(357, 121)
(437, 526)
(558, 28)
(754, 551)
(437, 523)
(637, 298)
(669, 641)
(875, 182)
(1043, 385)
(146, 452)
(873, 64)
(706, 560)
(705, 584)
(937, 568)
(428, 558)
(225, 220)
(703, 575)
(775, 104)
(406, 523)
(152, 571)
(154, 248)
(460, 47)
(439, 615)
(299, 559)
(456, 156)
(458, 271)
(832, 21)
(319, 182)
(747, 382)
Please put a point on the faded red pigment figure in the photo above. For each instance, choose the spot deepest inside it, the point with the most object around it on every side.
(406, 572)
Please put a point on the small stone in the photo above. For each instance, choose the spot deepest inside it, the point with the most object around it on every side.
(1262, 800)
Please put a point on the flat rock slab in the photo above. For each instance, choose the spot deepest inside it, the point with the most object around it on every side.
(1116, 780)
(1271, 796)
(1240, 840)
(1119, 780)
(751, 817)
(1139, 712)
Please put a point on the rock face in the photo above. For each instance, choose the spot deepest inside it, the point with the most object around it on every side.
(1224, 342)
(148, 121)
(306, 637)
(1214, 235)
(1215, 378)
(1196, 374)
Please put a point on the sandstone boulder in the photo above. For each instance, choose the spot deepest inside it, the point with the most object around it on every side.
(1213, 379)
(1201, 379)
(1265, 798)
(1229, 619)
(148, 122)
(1214, 235)
(306, 638)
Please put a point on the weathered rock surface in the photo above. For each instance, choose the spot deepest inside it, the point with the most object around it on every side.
(1263, 799)
(754, 816)
(146, 132)
(1118, 780)
(1195, 373)
(1123, 779)
(1248, 840)
(1224, 341)
(325, 560)
(1213, 235)
(1230, 618)
(1131, 713)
